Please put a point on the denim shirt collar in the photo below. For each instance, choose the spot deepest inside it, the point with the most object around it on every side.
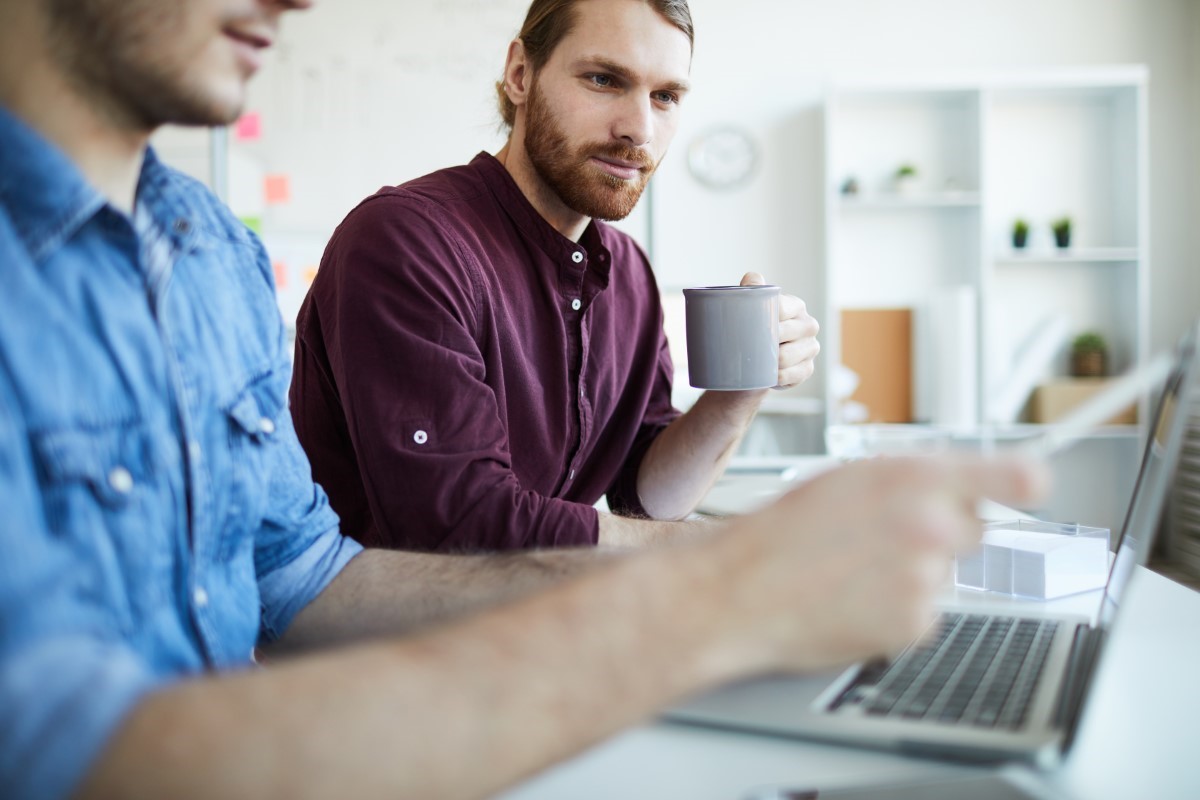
(49, 200)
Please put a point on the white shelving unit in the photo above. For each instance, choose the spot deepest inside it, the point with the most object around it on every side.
(988, 150)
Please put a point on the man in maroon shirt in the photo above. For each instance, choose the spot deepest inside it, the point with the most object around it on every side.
(480, 359)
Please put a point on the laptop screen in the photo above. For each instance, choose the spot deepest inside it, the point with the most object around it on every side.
(1155, 477)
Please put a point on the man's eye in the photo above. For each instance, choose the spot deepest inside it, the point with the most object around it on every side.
(604, 81)
(666, 98)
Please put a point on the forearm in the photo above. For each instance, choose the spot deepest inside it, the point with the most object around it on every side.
(385, 592)
(629, 532)
(507, 693)
(686, 458)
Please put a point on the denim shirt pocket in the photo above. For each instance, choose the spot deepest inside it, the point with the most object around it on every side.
(107, 495)
(256, 416)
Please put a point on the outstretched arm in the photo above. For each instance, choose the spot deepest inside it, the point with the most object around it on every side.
(386, 592)
(843, 568)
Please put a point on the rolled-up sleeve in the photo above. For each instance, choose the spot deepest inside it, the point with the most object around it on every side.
(66, 680)
(299, 548)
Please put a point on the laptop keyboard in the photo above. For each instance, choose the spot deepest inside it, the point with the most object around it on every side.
(977, 670)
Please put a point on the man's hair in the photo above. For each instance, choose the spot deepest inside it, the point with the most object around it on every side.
(548, 23)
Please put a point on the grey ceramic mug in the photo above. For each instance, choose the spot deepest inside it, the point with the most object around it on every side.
(732, 336)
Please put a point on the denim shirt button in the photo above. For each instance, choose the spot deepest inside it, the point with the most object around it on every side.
(266, 426)
(200, 597)
(120, 480)
(182, 225)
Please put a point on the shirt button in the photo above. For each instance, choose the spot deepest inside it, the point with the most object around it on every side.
(196, 450)
(577, 257)
(266, 426)
(120, 480)
(420, 437)
(200, 597)
(182, 225)
(576, 304)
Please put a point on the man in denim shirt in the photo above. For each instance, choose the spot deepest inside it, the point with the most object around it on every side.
(159, 520)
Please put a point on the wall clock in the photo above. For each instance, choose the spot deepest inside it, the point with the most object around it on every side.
(722, 158)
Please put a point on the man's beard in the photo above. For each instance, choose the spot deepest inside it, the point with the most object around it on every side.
(106, 48)
(581, 186)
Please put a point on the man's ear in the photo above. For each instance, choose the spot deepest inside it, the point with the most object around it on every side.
(517, 73)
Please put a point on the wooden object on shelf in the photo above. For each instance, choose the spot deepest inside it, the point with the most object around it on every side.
(1055, 399)
(877, 345)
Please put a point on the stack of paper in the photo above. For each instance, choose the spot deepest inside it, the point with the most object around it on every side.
(1033, 564)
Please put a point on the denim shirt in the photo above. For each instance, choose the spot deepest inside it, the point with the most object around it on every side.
(158, 517)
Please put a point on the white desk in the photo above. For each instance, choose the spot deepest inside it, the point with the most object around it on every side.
(1140, 736)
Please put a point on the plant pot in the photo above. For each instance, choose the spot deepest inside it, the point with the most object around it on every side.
(1089, 364)
(1062, 239)
(1019, 238)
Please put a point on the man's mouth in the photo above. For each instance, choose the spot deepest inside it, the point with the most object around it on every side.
(249, 44)
(619, 167)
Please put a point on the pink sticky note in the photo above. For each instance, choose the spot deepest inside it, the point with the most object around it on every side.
(248, 128)
(277, 189)
(281, 274)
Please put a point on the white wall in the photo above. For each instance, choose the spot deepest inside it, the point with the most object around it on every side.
(763, 63)
(362, 93)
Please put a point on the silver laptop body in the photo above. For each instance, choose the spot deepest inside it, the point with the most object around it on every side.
(859, 705)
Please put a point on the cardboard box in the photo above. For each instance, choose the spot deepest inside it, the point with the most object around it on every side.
(877, 345)
(1054, 400)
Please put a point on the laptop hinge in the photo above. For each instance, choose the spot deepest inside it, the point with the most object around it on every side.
(1081, 666)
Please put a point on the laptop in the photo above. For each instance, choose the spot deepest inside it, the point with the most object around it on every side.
(984, 686)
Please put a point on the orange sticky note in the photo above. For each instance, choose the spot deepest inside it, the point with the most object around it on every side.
(248, 128)
(310, 275)
(278, 189)
(281, 274)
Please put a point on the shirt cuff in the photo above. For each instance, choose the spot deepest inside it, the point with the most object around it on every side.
(61, 700)
(288, 589)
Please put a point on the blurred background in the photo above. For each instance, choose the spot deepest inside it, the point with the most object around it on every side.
(974, 197)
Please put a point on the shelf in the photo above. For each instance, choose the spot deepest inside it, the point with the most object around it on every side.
(1082, 255)
(885, 201)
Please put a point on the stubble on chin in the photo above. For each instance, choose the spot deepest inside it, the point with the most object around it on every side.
(117, 54)
(569, 172)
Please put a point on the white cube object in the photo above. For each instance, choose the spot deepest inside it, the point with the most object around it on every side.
(1036, 559)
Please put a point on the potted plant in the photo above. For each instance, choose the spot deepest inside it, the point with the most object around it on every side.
(1020, 233)
(1062, 232)
(905, 178)
(1089, 355)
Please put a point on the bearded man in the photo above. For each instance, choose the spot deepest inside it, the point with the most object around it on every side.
(480, 358)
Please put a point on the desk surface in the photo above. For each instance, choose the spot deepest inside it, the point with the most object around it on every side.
(1140, 736)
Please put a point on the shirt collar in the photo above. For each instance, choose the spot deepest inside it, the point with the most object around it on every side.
(43, 192)
(592, 243)
(49, 200)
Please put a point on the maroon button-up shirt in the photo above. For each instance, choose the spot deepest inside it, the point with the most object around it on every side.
(467, 378)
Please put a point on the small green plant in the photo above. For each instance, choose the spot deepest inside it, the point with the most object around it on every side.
(1062, 231)
(906, 171)
(1089, 342)
(1020, 233)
